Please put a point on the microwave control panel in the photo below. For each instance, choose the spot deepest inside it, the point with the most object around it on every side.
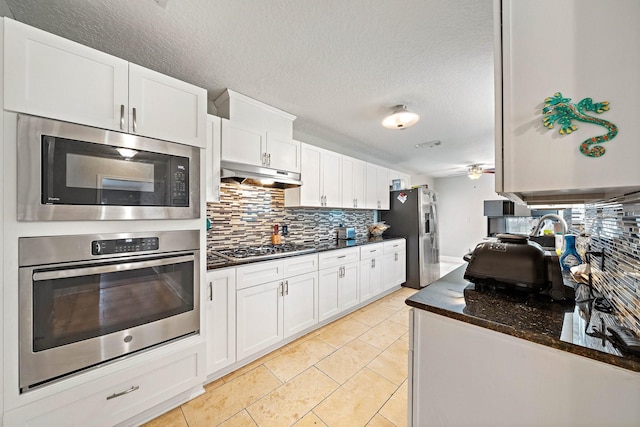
(180, 181)
(119, 246)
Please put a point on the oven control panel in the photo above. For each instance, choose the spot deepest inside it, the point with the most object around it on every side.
(118, 246)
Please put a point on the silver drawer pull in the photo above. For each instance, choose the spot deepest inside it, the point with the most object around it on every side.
(122, 393)
(121, 116)
(342, 256)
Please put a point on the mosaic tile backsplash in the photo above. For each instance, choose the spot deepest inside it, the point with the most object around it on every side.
(615, 227)
(246, 214)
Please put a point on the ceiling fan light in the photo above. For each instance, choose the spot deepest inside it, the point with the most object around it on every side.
(400, 118)
(475, 172)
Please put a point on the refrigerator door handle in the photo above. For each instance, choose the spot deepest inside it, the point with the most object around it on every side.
(427, 223)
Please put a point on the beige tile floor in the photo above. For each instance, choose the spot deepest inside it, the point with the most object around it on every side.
(352, 372)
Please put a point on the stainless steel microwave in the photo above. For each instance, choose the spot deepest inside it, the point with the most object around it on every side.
(68, 171)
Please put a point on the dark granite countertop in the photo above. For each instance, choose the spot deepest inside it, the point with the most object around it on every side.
(568, 326)
(214, 262)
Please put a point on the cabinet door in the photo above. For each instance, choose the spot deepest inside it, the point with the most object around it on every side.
(300, 303)
(382, 187)
(221, 319)
(537, 159)
(376, 276)
(49, 76)
(371, 191)
(213, 158)
(332, 178)
(242, 145)
(283, 153)
(365, 277)
(311, 189)
(166, 108)
(348, 196)
(349, 286)
(328, 299)
(393, 269)
(359, 183)
(259, 318)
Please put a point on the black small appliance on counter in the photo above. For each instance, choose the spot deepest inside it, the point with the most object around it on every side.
(514, 262)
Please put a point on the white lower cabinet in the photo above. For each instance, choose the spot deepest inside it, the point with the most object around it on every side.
(338, 281)
(300, 303)
(270, 312)
(394, 264)
(221, 319)
(118, 396)
(260, 316)
(371, 260)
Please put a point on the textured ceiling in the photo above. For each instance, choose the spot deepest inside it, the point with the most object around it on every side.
(339, 66)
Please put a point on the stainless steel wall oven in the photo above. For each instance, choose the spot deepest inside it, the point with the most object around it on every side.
(88, 299)
(74, 172)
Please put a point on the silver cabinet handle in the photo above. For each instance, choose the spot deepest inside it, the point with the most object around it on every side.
(342, 256)
(286, 286)
(356, 202)
(122, 393)
(373, 263)
(269, 159)
(210, 291)
(264, 159)
(395, 256)
(100, 269)
(121, 116)
(135, 121)
(281, 289)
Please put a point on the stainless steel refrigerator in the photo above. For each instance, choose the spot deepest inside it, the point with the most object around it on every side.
(413, 215)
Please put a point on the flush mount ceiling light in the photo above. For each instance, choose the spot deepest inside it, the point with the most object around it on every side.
(400, 118)
(475, 171)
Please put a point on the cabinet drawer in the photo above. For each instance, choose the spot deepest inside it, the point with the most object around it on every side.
(135, 390)
(394, 246)
(259, 272)
(302, 264)
(371, 251)
(338, 257)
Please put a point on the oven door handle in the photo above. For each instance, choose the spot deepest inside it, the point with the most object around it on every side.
(114, 268)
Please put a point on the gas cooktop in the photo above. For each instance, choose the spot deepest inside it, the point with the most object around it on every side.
(246, 253)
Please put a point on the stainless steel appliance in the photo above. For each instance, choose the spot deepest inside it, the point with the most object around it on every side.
(246, 253)
(73, 172)
(513, 262)
(346, 233)
(413, 215)
(87, 299)
(259, 175)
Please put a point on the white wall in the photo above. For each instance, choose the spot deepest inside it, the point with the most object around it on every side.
(460, 207)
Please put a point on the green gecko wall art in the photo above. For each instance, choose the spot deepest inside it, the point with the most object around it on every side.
(559, 109)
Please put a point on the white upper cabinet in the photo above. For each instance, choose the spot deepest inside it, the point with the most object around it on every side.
(321, 177)
(257, 134)
(353, 182)
(166, 108)
(49, 76)
(377, 187)
(213, 158)
(587, 51)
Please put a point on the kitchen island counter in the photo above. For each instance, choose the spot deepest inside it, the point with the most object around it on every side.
(493, 358)
(570, 327)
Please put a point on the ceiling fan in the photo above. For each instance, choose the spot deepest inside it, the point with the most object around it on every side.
(476, 171)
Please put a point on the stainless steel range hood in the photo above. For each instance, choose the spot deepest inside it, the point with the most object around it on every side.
(258, 175)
